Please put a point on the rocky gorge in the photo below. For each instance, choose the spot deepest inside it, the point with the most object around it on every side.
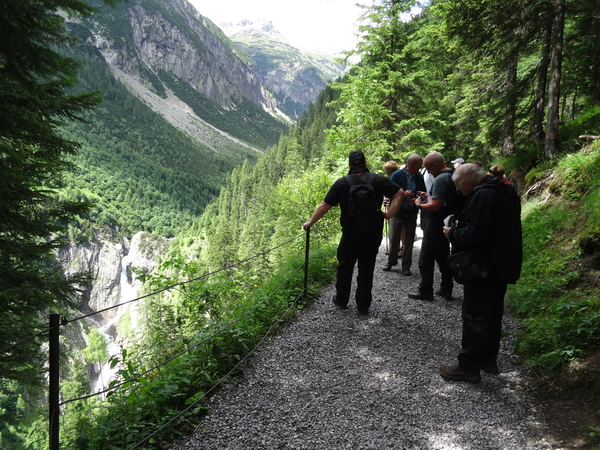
(109, 264)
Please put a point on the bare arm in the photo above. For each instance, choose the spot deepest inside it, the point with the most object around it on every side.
(434, 204)
(319, 212)
(395, 205)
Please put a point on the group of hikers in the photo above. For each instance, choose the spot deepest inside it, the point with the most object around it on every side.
(471, 227)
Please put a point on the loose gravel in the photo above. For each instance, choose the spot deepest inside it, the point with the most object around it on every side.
(333, 379)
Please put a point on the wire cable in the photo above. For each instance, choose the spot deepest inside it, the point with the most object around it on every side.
(223, 378)
(115, 386)
(22, 341)
(181, 283)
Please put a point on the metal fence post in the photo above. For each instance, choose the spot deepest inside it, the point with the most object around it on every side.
(54, 386)
(306, 253)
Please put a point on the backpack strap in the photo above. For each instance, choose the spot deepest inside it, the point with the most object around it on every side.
(370, 179)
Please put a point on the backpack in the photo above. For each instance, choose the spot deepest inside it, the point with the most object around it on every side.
(364, 211)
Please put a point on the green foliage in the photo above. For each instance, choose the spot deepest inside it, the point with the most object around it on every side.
(587, 123)
(390, 102)
(140, 172)
(205, 329)
(96, 350)
(556, 297)
(576, 174)
(297, 197)
(35, 100)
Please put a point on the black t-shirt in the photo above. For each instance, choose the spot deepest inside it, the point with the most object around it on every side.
(339, 192)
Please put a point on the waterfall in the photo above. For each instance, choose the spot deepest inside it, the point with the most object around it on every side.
(127, 292)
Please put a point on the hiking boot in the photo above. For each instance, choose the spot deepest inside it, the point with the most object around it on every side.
(335, 302)
(444, 295)
(490, 366)
(418, 295)
(457, 373)
(387, 267)
(406, 272)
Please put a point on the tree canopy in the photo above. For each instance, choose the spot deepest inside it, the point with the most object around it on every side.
(36, 96)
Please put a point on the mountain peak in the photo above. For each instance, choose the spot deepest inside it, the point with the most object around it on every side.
(263, 26)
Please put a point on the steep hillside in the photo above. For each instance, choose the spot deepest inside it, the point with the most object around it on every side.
(295, 77)
(169, 48)
(557, 299)
(182, 107)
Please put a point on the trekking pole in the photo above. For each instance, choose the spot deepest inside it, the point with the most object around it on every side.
(386, 235)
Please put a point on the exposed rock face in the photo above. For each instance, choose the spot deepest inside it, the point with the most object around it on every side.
(296, 77)
(110, 264)
(104, 261)
(171, 36)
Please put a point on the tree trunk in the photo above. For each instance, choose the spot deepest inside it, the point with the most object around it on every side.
(552, 142)
(508, 146)
(540, 96)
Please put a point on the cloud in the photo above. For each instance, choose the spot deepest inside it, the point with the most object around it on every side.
(326, 25)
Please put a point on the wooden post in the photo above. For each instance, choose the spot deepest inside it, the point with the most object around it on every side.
(306, 253)
(54, 386)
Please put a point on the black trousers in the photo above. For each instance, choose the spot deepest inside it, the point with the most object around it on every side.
(434, 249)
(350, 250)
(482, 311)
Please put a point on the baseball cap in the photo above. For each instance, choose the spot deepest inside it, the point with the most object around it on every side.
(356, 157)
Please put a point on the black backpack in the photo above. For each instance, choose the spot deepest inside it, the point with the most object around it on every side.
(364, 211)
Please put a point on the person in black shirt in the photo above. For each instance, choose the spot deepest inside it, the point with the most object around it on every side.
(353, 249)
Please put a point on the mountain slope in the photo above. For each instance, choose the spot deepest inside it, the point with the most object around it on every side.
(169, 48)
(182, 107)
(295, 77)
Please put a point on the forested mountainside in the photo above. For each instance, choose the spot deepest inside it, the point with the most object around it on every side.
(296, 77)
(466, 78)
(182, 107)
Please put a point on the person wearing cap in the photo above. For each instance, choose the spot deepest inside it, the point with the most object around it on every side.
(353, 249)
(457, 163)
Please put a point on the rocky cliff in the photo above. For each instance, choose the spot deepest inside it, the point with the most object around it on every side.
(109, 264)
(295, 77)
(171, 36)
(169, 49)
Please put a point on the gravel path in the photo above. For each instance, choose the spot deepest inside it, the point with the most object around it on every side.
(333, 379)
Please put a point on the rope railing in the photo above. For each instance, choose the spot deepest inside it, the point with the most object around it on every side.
(181, 283)
(27, 339)
(233, 369)
(65, 321)
(56, 323)
(115, 386)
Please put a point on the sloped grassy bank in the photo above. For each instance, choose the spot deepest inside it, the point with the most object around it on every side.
(557, 299)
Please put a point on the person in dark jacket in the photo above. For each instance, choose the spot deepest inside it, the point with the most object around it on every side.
(351, 248)
(490, 221)
(411, 181)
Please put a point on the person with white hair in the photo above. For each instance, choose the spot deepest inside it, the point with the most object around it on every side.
(490, 224)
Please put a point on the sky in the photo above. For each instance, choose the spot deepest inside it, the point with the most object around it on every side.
(326, 25)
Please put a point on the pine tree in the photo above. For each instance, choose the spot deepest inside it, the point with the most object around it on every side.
(36, 95)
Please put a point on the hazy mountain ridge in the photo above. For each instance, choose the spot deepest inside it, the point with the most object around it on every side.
(296, 77)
